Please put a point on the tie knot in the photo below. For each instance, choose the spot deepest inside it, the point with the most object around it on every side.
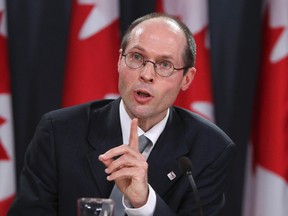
(143, 143)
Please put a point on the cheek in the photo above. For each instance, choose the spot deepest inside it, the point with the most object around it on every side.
(121, 82)
(169, 92)
(125, 76)
(126, 79)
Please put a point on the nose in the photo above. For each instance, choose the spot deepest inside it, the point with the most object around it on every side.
(148, 71)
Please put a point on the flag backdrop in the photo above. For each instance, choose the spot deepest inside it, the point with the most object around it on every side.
(194, 13)
(267, 182)
(41, 31)
(7, 169)
(93, 50)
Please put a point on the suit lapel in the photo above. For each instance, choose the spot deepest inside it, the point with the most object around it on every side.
(104, 134)
(163, 160)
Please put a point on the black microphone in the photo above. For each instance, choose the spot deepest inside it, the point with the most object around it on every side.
(186, 167)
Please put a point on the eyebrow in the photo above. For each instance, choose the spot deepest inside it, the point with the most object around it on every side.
(162, 57)
(138, 48)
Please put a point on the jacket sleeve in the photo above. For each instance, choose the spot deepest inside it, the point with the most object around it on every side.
(37, 192)
(211, 185)
(212, 182)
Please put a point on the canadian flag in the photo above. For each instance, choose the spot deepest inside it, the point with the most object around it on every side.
(267, 168)
(93, 50)
(7, 161)
(194, 13)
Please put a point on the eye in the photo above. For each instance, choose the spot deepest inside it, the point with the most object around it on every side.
(164, 64)
(136, 57)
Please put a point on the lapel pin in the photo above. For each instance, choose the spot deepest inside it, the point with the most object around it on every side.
(171, 175)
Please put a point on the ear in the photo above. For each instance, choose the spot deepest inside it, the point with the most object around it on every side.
(188, 78)
(119, 58)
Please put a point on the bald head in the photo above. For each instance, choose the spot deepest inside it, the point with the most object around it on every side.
(173, 24)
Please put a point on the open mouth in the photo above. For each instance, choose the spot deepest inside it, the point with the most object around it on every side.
(143, 94)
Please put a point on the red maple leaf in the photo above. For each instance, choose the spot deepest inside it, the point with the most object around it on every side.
(3, 153)
(4, 78)
(269, 136)
(86, 56)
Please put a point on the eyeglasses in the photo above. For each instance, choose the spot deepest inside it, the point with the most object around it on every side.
(163, 68)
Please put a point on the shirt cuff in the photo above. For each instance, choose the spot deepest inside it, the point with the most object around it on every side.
(148, 209)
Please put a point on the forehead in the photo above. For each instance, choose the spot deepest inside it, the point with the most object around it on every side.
(158, 21)
(159, 33)
(161, 24)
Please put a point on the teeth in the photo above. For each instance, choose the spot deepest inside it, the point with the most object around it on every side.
(142, 94)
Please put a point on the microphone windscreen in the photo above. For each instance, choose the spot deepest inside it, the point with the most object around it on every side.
(185, 164)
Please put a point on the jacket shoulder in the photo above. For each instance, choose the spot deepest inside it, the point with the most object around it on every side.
(194, 122)
(77, 111)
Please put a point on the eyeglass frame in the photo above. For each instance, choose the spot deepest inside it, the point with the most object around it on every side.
(154, 64)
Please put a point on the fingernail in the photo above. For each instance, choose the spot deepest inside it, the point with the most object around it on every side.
(102, 156)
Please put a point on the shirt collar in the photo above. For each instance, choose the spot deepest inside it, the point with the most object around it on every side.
(153, 134)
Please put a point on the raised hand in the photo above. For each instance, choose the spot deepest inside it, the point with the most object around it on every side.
(128, 168)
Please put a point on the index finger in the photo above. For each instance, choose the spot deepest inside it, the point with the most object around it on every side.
(133, 139)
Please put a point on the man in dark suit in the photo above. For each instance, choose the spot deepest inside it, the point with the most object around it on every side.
(82, 151)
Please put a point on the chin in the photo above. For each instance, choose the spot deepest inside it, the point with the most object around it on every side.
(140, 112)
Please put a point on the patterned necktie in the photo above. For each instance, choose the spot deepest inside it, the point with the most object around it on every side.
(143, 143)
(116, 194)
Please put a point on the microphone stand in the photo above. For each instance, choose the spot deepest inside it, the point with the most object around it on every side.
(195, 192)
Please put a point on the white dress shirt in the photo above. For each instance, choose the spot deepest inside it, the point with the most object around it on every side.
(153, 134)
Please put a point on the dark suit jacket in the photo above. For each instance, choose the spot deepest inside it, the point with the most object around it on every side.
(61, 162)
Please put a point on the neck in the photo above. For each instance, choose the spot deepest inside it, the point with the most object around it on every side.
(147, 123)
